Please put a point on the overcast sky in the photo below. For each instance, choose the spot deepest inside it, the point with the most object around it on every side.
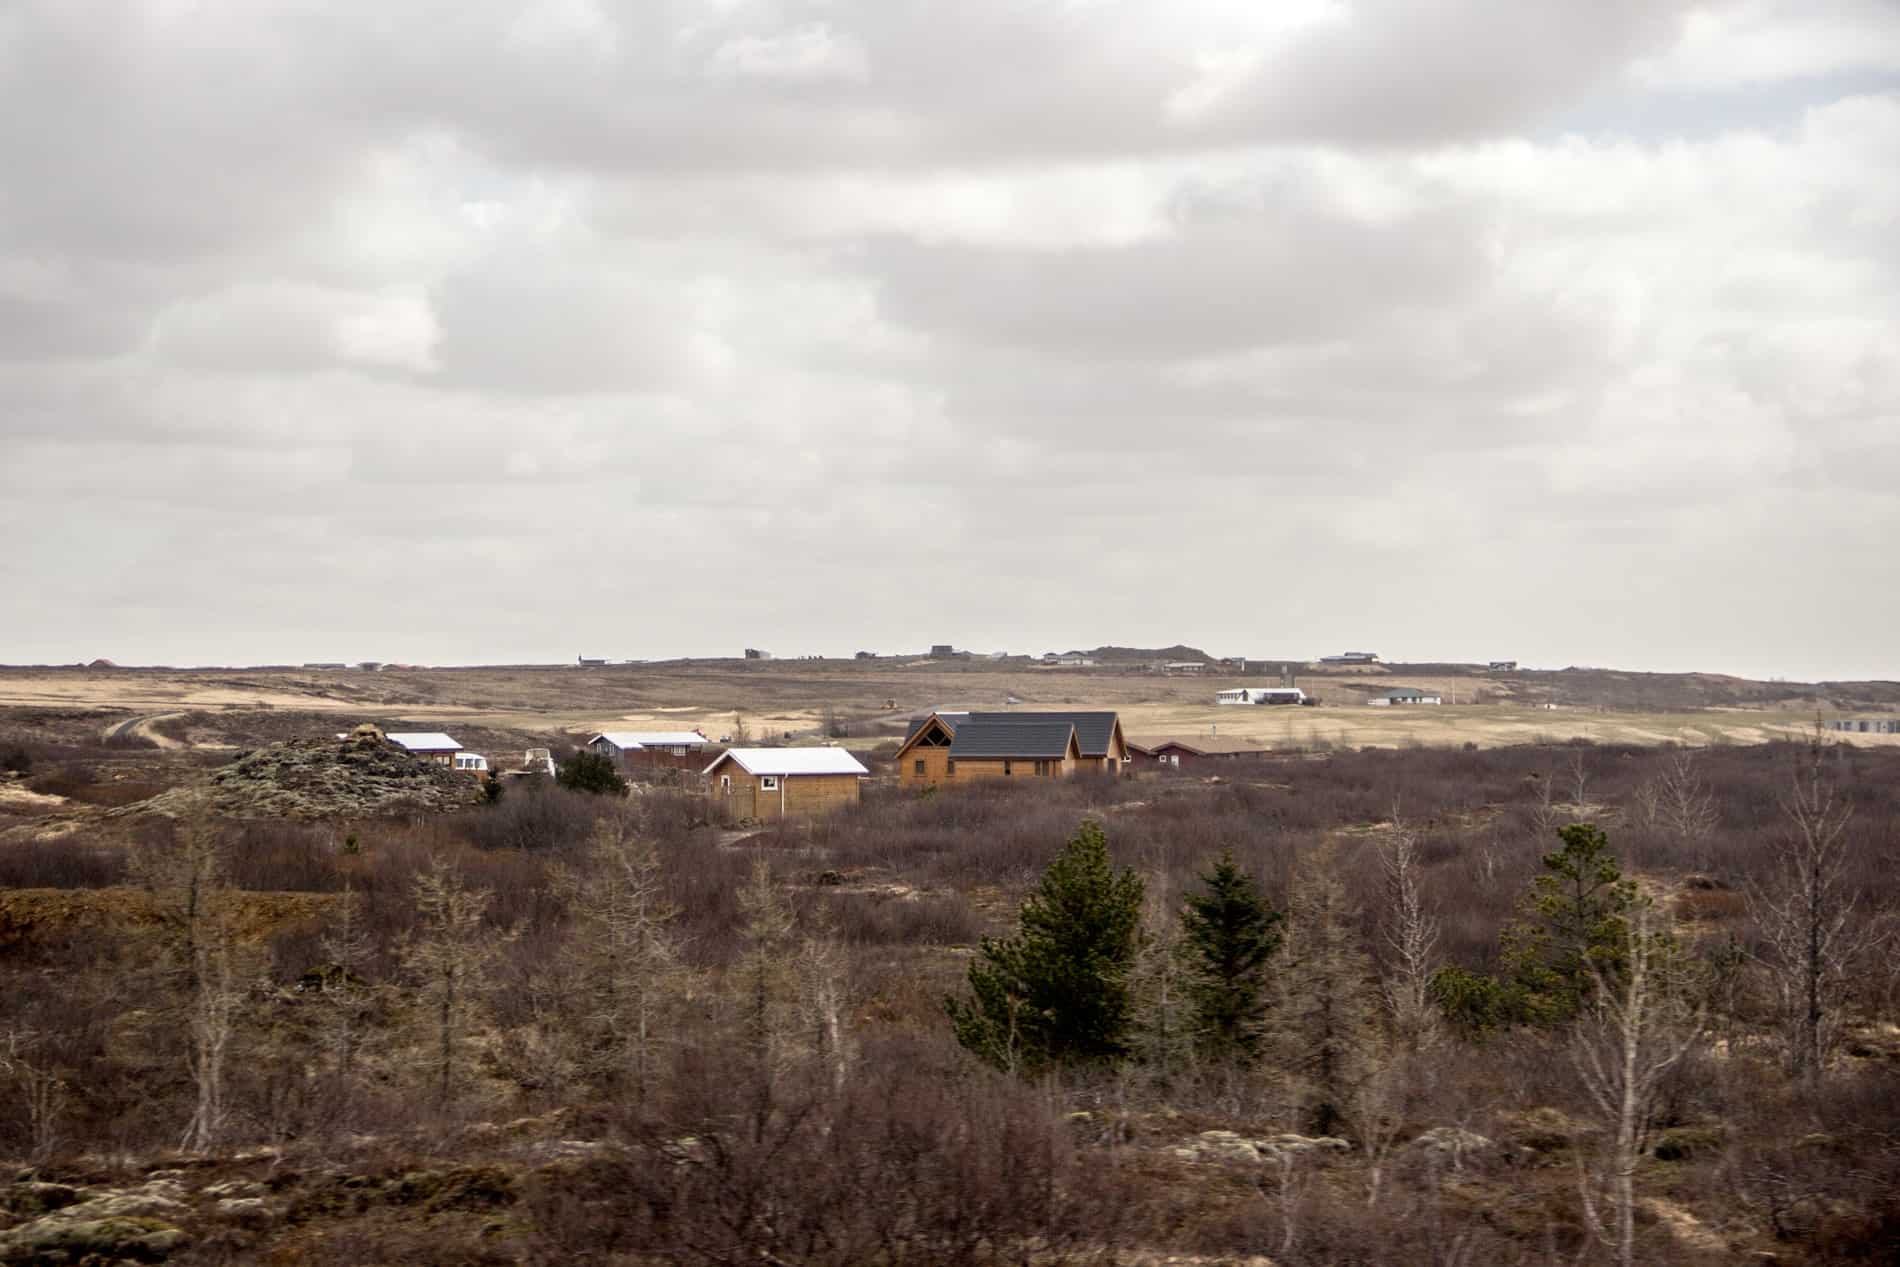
(452, 331)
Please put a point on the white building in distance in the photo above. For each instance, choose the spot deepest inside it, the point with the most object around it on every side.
(1261, 695)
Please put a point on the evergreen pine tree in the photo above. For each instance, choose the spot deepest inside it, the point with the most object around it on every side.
(1229, 934)
(1571, 930)
(1573, 926)
(591, 772)
(1057, 993)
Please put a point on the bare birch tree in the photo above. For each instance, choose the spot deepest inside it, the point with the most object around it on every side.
(1544, 816)
(1806, 915)
(42, 1091)
(1635, 1028)
(1580, 807)
(1677, 801)
(623, 955)
(1686, 806)
(820, 968)
(1411, 936)
(446, 956)
(215, 1007)
(196, 908)
(344, 997)
(762, 980)
(1159, 981)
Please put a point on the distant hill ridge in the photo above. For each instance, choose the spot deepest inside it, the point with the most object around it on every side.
(1140, 655)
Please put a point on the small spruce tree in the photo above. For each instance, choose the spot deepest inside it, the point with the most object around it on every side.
(1057, 993)
(1570, 931)
(1573, 926)
(1229, 933)
(591, 772)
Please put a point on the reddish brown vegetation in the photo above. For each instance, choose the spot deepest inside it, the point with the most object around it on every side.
(921, 1156)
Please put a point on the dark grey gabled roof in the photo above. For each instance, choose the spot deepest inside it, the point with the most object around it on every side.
(1033, 741)
(1093, 731)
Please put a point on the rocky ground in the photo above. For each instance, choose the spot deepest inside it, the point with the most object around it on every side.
(229, 1209)
(321, 779)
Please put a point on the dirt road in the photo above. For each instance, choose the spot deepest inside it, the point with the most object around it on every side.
(141, 727)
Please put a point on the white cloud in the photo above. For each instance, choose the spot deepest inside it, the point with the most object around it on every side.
(1767, 41)
(754, 288)
(810, 54)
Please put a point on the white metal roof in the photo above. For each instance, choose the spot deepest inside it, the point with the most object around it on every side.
(423, 741)
(792, 761)
(631, 740)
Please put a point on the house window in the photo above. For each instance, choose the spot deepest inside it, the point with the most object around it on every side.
(679, 751)
(725, 784)
(767, 783)
(950, 766)
(1006, 767)
(917, 766)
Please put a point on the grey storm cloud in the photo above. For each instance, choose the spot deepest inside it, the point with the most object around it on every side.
(334, 331)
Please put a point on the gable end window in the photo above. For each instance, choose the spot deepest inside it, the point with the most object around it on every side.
(917, 766)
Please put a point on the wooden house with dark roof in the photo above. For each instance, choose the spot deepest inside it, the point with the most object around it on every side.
(956, 747)
(1177, 751)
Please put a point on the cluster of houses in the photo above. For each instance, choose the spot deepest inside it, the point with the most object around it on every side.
(441, 749)
(938, 748)
(941, 747)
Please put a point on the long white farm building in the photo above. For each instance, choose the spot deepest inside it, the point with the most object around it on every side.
(1261, 695)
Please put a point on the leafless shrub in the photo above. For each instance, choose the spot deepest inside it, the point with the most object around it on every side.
(537, 815)
(42, 1092)
(60, 864)
(209, 972)
(623, 960)
(913, 1160)
(820, 970)
(763, 987)
(445, 958)
(346, 999)
(1322, 1015)
(1805, 911)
